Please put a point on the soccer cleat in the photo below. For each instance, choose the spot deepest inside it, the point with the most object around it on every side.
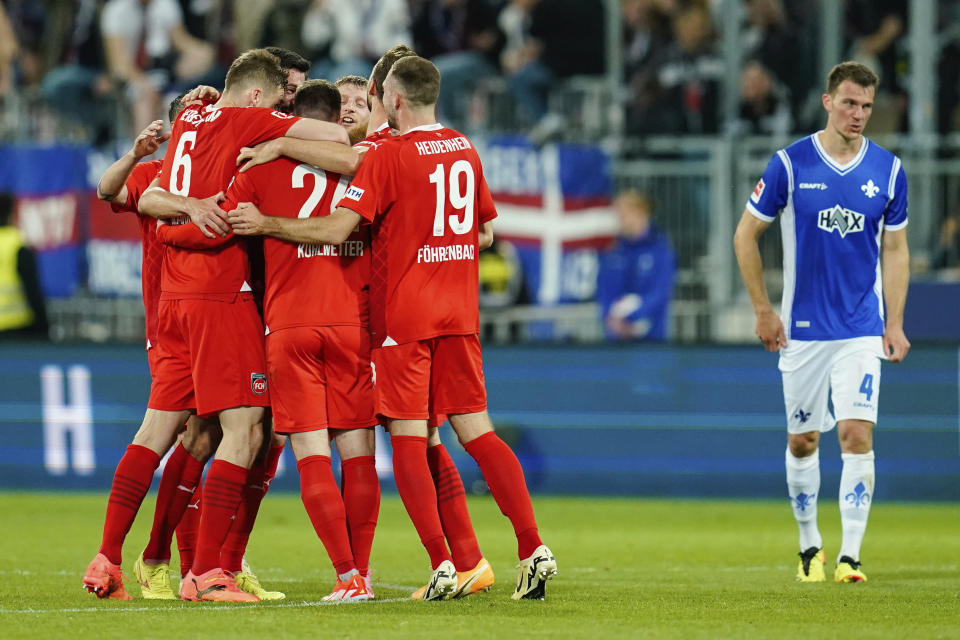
(368, 584)
(848, 570)
(811, 565)
(353, 590)
(533, 573)
(248, 581)
(154, 580)
(480, 578)
(442, 585)
(215, 585)
(105, 579)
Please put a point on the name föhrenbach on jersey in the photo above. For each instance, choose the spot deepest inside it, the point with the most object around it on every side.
(445, 254)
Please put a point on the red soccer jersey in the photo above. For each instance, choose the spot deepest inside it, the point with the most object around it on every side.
(425, 196)
(373, 140)
(200, 161)
(140, 178)
(306, 284)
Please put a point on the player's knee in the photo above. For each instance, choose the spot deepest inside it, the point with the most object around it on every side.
(803, 445)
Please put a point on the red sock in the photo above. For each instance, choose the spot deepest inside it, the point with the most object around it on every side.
(361, 499)
(221, 499)
(412, 474)
(452, 505)
(258, 482)
(131, 481)
(177, 484)
(504, 476)
(187, 530)
(324, 505)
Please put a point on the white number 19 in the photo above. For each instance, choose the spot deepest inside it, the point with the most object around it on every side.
(458, 199)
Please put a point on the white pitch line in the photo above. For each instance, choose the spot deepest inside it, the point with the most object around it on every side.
(233, 607)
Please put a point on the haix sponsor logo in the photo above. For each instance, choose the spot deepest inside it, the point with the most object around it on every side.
(819, 186)
(839, 219)
(354, 193)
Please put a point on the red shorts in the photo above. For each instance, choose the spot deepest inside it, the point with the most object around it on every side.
(420, 380)
(320, 377)
(211, 352)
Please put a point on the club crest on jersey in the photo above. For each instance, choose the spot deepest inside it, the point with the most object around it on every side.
(870, 190)
(842, 220)
(758, 191)
(281, 115)
(354, 193)
(258, 383)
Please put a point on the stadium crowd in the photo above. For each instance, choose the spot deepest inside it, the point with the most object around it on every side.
(80, 55)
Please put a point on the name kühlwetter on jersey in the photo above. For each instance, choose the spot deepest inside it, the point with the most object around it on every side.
(349, 249)
(446, 254)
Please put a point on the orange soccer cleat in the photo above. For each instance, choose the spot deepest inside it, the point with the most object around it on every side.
(215, 585)
(105, 579)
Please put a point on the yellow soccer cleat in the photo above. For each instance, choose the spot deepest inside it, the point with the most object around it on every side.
(480, 578)
(811, 566)
(533, 573)
(247, 581)
(154, 580)
(848, 570)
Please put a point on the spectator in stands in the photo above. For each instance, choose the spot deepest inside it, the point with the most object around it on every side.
(679, 92)
(764, 107)
(557, 39)
(770, 40)
(646, 32)
(462, 39)
(947, 254)
(22, 310)
(635, 279)
(8, 51)
(875, 36)
(346, 37)
(148, 48)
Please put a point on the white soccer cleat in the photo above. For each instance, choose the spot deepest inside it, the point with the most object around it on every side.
(443, 582)
(533, 573)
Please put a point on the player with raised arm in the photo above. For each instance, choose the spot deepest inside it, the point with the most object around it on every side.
(424, 312)
(474, 573)
(842, 202)
(209, 325)
(122, 185)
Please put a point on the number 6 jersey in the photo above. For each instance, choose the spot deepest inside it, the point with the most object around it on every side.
(424, 195)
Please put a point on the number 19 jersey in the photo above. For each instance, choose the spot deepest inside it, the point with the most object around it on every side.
(832, 218)
(425, 196)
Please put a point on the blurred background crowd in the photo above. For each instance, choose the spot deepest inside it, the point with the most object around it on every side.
(686, 98)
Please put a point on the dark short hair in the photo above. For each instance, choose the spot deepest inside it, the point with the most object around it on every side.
(385, 63)
(258, 68)
(290, 59)
(318, 99)
(176, 106)
(419, 80)
(855, 72)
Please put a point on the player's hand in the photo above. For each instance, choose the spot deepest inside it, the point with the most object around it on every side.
(201, 94)
(150, 139)
(895, 344)
(770, 331)
(247, 220)
(208, 215)
(260, 154)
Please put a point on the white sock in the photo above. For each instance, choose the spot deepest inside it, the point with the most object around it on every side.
(803, 485)
(856, 496)
(345, 577)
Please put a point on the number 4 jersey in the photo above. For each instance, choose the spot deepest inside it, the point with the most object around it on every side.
(424, 195)
(832, 220)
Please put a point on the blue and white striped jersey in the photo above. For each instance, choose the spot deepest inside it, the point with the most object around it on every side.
(832, 218)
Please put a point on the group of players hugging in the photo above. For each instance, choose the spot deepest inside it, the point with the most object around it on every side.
(326, 286)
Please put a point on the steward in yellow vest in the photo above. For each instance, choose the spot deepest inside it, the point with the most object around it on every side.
(21, 303)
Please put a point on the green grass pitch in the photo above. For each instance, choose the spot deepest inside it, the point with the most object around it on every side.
(628, 568)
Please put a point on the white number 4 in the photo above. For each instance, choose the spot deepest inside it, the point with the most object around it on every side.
(459, 200)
